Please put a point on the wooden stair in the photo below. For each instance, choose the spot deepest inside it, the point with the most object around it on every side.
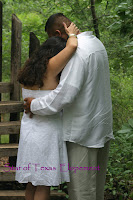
(12, 194)
(19, 195)
(7, 173)
(7, 150)
(12, 127)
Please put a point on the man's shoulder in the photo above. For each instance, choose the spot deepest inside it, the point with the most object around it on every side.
(88, 39)
(88, 44)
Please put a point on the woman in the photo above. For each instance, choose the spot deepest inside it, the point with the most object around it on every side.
(41, 148)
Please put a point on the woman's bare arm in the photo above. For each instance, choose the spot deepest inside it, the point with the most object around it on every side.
(58, 62)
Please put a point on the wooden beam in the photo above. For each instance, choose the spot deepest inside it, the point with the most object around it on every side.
(11, 106)
(34, 43)
(6, 87)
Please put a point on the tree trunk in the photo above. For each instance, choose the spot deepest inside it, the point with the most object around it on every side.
(95, 20)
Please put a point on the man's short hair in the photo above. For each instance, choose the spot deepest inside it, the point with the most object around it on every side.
(55, 22)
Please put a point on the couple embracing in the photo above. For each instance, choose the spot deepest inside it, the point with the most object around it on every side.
(68, 114)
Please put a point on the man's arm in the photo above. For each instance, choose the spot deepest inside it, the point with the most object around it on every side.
(71, 82)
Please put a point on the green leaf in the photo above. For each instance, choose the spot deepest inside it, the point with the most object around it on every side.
(129, 44)
(125, 194)
(131, 51)
(122, 7)
(65, 187)
(59, 190)
(125, 126)
(130, 137)
(124, 131)
(127, 171)
(67, 196)
(114, 192)
(115, 26)
(111, 179)
(52, 188)
(130, 121)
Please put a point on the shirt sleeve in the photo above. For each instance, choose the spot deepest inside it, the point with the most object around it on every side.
(71, 81)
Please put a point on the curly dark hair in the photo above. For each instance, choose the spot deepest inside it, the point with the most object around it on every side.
(35, 67)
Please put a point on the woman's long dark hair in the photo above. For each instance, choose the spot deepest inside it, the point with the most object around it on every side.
(35, 67)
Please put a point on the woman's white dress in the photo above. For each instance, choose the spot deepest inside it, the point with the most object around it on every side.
(42, 154)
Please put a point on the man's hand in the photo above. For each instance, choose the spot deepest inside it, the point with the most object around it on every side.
(27, 105)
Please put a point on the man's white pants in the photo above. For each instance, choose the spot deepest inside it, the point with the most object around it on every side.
(87, 183)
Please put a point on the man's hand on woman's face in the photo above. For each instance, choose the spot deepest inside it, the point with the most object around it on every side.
(27, 105)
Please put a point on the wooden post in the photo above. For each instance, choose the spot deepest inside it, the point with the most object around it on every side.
(15, 66)
(1, 15)
(15, 56)
(34, 43)
(0, 41)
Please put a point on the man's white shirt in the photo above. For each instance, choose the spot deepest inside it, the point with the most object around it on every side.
(84, 95)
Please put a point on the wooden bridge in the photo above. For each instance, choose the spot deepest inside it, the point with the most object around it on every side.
(14, 106)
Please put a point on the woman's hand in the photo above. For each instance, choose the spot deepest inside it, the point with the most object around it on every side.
(72, 32)
(72, 29)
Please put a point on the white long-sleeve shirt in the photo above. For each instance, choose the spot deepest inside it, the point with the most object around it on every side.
(84, 95)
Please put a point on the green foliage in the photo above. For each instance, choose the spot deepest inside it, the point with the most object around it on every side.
(123, 15)
(122, 98)
(4, 139)
(98, 1)
(120, 170)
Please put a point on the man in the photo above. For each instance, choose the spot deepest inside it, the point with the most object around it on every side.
(84, 95)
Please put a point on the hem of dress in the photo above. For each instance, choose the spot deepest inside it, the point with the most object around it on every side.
(35, 184)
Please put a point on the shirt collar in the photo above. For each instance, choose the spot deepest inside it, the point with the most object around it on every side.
(86, 33)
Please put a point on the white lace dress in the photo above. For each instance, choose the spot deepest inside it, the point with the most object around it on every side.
(42, 154)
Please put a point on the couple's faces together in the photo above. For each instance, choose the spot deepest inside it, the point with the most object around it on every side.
(58, 33)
